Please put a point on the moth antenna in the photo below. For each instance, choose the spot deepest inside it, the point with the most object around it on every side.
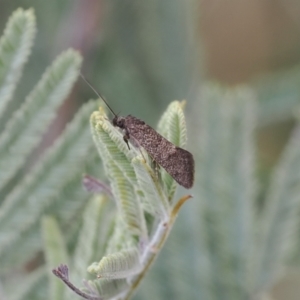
(97, 93)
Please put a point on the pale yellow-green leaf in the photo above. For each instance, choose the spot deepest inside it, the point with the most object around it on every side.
(88, 238)
(107, 288)
(154, 199)
(118, 265)
(173, 127)
(116, 158)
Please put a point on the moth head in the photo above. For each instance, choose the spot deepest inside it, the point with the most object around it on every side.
(119, 122)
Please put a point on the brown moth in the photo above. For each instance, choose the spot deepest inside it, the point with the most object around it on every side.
(178, 162)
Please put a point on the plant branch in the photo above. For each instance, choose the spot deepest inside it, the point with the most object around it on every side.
(167, 226)
(62, 272)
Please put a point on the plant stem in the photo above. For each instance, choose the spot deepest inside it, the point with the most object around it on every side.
(168, 225)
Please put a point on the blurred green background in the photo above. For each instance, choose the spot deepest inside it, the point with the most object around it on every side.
(143, 54)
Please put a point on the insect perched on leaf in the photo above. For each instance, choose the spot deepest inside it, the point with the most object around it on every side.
(179, 163)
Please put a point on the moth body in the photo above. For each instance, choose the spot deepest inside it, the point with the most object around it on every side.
(178, 162)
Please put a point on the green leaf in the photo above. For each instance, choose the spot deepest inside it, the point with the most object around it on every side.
(111, 146)
(117, 265)
(153, 200)
(121, 237)
(66, 208)
(64, 161)
(93, 230)
(107, 289)
(172, 126)
(130, 251)
(279, 227)
(15, 47)
(116, 159)
(27, 125)
(55, 253)
(226, 190)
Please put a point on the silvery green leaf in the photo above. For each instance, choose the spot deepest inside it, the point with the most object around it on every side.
(111, 146)
(91, 232)
(23, 207)
(116, 159)
(28, 124)
(121, 238)
(173, 127)
(280, 218)
(15, 47)
(106, 288)
(55, 253)
(172, 124)
(67, 213)
(118, 265)
(154, 199)
(226, 188)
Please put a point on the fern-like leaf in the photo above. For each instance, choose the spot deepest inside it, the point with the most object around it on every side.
(116, 158)
(15, 47)
(227, 189)
(121, 238)
(27, 125)
(55, 252)
(111, 146)
(106, 289)
(64, 161)
(89, 237)
(153, 200)
(118, 265)
(137, 188)
(172, 126)
(66, 211)
(280, 219)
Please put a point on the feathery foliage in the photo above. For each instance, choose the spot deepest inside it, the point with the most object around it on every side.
(56, 177)
(97, 222)
(66, 159)
(118, 265)
(280, 219)
(26, 127)
(226, 142)
(135, 240)
(15, 47)
(228, 249)
(55, 252)
(236, 252)
(172, 126)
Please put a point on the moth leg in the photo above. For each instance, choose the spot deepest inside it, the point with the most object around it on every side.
(156, 168)
(126, 138)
